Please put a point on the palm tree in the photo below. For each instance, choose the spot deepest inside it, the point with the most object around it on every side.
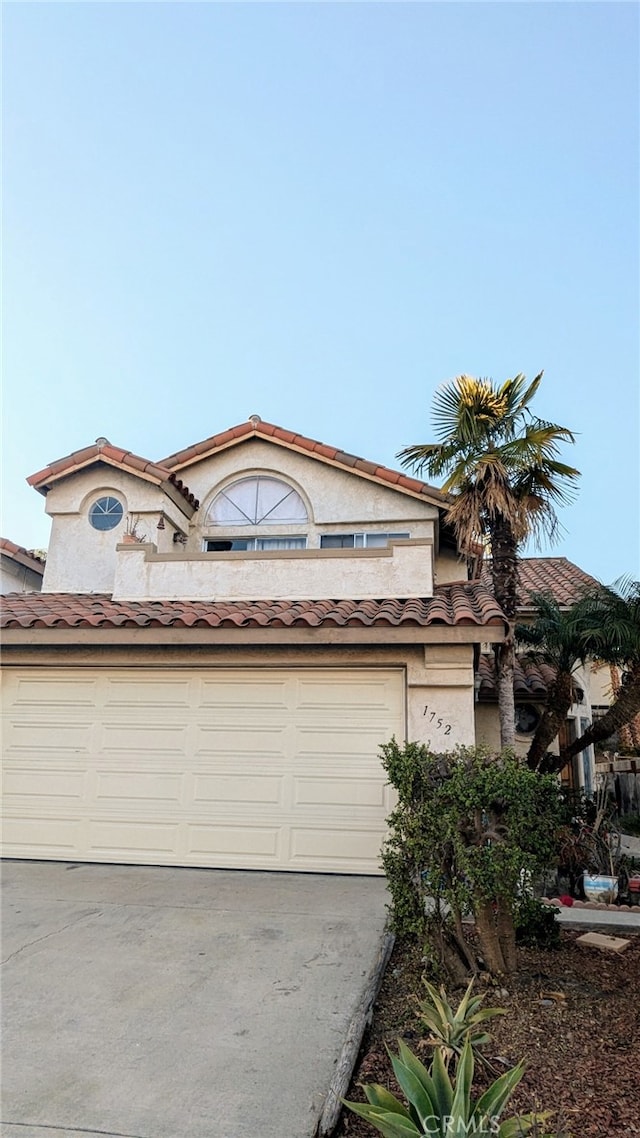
(506, 480)
(557, 637)
(611, 629)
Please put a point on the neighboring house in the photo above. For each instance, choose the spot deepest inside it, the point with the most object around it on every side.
(215, 692)
(21, 570)
(566, 582)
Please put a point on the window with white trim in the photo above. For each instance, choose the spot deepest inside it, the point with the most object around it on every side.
(106, 513)
(359, 540)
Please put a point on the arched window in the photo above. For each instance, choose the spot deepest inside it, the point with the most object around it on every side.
(257, 501)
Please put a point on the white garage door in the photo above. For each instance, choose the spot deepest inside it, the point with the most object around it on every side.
(261, 768)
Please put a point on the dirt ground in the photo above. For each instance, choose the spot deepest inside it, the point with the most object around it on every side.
(582, 1045)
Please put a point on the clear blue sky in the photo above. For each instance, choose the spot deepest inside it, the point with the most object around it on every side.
(318, 213)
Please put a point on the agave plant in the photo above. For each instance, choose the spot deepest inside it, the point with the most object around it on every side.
(439, 1107)
(450, 1030)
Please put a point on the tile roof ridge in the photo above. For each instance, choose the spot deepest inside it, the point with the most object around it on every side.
(118, 456)
(257, 428)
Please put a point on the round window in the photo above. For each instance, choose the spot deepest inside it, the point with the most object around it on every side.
(527, 719)
(106, 513)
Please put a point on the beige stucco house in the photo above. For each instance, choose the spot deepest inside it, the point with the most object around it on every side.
(222, 641)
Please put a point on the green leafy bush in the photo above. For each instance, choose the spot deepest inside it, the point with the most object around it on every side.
(536, 924)
(467, 826)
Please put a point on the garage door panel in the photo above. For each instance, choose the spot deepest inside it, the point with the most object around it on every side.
(36, 835)
(45, 692)
(238, 788)
(132, 836)
(230, 767)
(150, 786)
(336, 743)
(136, 738)
(46, 735)
(26, 783)
(156, 693)
(250, 694)
(341, 792)
(240, 740)
(234, 840)
(334, 846)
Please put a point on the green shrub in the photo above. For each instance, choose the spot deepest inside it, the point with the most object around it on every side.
(467, 826)
(536, 924)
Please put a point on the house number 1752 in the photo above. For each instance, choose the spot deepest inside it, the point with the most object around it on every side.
(438, 723)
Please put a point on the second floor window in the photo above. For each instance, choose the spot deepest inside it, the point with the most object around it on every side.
(253, 544)
(359, 540)
(257, 501)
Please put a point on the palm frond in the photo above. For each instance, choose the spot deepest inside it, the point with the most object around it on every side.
(531, 391)
(497, 460)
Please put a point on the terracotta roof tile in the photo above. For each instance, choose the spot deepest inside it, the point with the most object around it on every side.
(452, 605)
(115, 455)
(530, 681)
(367, 467)
(80, 456)
(556, 575)
(274, 433)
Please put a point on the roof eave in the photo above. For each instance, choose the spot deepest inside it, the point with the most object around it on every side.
(327, 633)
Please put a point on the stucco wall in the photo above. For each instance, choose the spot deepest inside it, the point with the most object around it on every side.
(449, 567)
(16, 578)
(600, 685)
(440, 697)
(401, 570)
(81, 559)
(335, 499)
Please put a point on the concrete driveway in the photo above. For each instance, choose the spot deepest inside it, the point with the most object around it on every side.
(177, 1003)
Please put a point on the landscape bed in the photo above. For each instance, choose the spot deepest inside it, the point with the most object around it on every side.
(581, 1045)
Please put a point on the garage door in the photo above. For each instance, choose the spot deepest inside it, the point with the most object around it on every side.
(262, 769)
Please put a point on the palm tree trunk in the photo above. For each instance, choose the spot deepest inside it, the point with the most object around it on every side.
(559, 701)
(622, 711)
(504, 571)
(504, 657)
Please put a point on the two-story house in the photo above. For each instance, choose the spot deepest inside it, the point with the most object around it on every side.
(223, 640)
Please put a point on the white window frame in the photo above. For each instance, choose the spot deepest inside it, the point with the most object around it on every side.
(361, 540)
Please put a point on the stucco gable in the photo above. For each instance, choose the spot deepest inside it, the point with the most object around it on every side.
(331, 492)
(102, 454)
(255, 428)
